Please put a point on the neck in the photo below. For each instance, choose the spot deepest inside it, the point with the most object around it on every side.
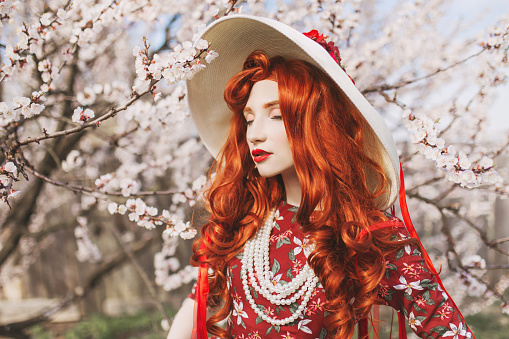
(292, 188)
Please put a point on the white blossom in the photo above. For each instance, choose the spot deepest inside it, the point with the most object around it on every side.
(103, 180)
(112, 207)
(81, 115)
(475, 261)
(486, 162)
(21, 101)
(46, 19)
(87, 97)
(146, 223)
(87, 249)
(467, 178)
(72, 161)
(13, 194)
(463, 161)
(11, 168)
(122, 209)
(211, 55)
(189, 234)
(201, 44)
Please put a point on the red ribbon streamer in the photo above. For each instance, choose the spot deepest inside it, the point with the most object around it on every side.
(363, 329)
(401, 324)
(413, 234)
(200, 301)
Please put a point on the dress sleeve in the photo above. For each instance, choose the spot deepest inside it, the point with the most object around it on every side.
(409, 287)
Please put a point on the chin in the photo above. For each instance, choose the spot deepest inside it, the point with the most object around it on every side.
(267, 174)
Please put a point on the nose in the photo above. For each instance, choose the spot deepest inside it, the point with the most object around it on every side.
(256, 131)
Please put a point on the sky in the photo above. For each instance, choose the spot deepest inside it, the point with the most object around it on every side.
(486, 12)
(480, 14)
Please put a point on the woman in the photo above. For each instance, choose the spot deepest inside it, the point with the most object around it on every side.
(298, 245)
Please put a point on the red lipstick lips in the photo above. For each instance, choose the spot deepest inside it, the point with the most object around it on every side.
(259, 155)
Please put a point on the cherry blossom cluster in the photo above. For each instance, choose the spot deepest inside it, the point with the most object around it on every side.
(81, 115)
(338, 18)
(8, 174)
(216, 7)
(30, 39)
(127, 185)
(79, 22)
(456, 166)
(474, 287)
(72, 161)
(21, 107)
(122, 179)
(181, 64)
(6, 8)
(173, 281)
(48, 73)
(475, 261)
(87, 249)
(203, 12)
(498, 36)
(191, 195)
(147, 216)
(168, 273)
(166, 112)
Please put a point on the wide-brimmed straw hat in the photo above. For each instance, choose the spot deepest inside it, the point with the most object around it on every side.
(234, 38)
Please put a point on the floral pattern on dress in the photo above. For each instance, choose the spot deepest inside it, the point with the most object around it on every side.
(408, 286)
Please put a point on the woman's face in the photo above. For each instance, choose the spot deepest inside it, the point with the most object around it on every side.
(266, 133)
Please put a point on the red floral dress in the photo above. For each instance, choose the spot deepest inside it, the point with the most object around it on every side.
(407, 286)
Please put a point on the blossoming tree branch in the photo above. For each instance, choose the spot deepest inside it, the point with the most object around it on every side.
(93, 120)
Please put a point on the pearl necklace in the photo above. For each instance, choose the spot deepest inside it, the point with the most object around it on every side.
(256, 268)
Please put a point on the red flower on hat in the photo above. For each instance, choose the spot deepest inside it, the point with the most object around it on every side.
(329, 47)
(314, 35)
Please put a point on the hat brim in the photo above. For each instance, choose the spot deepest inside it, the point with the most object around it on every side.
(234, 38)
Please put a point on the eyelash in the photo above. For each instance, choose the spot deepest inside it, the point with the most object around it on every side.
(275, 117)
(248, 123)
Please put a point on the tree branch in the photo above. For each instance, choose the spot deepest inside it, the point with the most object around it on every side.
(146, 280)
(94, 123)
(18, 329)
(90, 190)
(386, 87)
(463, 269)
(455, 212)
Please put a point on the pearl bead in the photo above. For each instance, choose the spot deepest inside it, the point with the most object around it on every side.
(256, 259)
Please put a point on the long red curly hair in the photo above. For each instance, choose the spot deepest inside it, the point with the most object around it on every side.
(325, 133)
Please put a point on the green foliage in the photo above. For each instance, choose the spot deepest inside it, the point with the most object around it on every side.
(38, 332)
(488, 324)
(140, 326)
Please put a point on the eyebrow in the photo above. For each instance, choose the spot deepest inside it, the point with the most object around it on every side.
(270, 104)
(265, 106)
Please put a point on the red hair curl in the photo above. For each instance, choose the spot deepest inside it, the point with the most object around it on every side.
(325, 133)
